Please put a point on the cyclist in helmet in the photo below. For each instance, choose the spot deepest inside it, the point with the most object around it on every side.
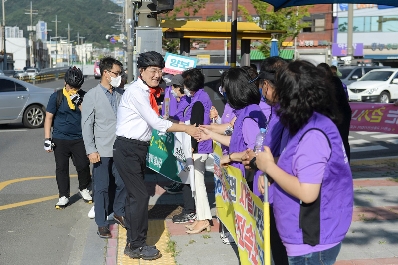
(136, 118)
(66, 140)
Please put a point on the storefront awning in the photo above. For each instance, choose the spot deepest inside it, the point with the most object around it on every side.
(382, 56)
(258, 55)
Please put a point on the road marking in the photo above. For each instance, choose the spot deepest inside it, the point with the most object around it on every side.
(381, 136)
(367, 148)
(350, 137)
(366, 133)
(393, 141)
(23, 203)
(359, 141)
(21, 130)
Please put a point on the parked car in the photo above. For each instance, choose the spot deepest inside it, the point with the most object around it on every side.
(97, 73)
(23, 102)
(351, 74)
(1, 72)
(379, 85)
(20, 74)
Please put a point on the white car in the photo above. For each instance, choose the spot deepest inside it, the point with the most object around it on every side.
(379, 85)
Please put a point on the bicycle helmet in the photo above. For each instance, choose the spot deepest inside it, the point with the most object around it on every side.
(74, 77)
(151, 58)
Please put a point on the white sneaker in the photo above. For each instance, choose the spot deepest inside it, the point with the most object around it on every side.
(62, 202)
(228, 239)
(110, 217)
(91, 213)
(86, 195)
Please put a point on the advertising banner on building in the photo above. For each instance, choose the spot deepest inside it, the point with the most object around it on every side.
(374, 117)
(340, 49)
(244, 215)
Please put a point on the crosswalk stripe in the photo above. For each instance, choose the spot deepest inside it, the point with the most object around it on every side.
(367, 148)
(358, 141)
(350, 137)
(393, 141)
(382, 136)
(366, 133)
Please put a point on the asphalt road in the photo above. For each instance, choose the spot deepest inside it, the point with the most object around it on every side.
(32, 231)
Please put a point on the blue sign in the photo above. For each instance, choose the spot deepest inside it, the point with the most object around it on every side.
(112, 40)
(343, 7)
(176, 64)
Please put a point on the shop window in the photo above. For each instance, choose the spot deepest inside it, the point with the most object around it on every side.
(315, 23)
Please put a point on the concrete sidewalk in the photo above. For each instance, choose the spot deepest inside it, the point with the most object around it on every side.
(372, 238)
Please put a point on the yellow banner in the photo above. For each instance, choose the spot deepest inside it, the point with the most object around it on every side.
(244, 215)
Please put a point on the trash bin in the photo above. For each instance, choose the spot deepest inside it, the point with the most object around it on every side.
(212, 75)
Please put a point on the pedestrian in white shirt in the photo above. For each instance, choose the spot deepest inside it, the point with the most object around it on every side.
(136, 117)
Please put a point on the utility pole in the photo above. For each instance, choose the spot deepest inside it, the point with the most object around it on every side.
(56, 39)
(69, 29)
(4, 38)
(234, 29)
(350, 26)
(226, 41)
(31, 12)
(130, 25)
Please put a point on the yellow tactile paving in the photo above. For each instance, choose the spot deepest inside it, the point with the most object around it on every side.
(157, 235)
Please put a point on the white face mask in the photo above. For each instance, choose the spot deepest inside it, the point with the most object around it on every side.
(187, 92)
(115, 81)
(174, 93)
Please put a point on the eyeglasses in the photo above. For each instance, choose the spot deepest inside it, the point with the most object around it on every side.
(153, 71)
(117, 74)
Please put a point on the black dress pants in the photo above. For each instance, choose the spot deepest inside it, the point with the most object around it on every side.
(130, 159)
(63, 150)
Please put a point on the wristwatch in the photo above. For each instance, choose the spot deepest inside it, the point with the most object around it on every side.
(229, 130)
(253, 164)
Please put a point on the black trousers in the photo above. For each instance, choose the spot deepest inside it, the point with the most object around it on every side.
(189, 201)
(63, 150)
(130, 160)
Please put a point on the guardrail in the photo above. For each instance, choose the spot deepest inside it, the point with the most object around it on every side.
(46, 75)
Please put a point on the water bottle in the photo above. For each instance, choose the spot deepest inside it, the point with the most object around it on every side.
(259, 146)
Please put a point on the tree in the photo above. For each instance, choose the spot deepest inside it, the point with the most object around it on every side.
(286, 19)
(189, 8)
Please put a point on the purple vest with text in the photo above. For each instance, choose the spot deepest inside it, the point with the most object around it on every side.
(205, 147)
(237, 143)
(327, 219)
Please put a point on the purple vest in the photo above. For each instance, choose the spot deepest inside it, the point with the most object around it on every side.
(227, 117)
(205, 147)
(237, 143)
(181, 108)
(172, 103)
(325, 221)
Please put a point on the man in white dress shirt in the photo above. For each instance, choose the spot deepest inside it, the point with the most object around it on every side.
(135, 120)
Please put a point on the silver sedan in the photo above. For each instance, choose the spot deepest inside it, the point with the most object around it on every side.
(23, 102)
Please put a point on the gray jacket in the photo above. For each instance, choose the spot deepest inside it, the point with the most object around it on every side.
(99, 121)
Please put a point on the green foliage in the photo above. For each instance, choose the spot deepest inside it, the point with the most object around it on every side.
(216, 16)
(286, 19)
(88, 17)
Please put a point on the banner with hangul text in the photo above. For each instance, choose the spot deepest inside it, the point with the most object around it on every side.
(244, 215)
(176, 64)
(169, 154)
(374, 117)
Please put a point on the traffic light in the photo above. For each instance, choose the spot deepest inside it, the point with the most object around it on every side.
(164, 5)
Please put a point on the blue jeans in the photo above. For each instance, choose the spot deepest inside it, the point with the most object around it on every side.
(325, 257)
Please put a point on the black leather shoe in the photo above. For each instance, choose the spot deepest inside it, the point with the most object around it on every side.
(104, 232)
(119, 220)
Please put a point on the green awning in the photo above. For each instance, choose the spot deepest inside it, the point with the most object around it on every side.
(258, 55)
(287, 54)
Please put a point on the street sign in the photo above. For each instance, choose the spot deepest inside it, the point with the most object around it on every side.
(112, 40)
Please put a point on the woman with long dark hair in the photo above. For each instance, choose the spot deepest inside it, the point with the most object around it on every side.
(313, 194)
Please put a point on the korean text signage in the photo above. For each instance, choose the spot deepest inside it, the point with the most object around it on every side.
(244, 215)
(382, 46)
(340, 49)
(176, 64)
(344, 7)
(313, 43)
(374, 117)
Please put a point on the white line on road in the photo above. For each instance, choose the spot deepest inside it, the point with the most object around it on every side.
(358, 141)
(22, 130)
(366, 133)
(367, 148)
(350, 137)
(393, 141)
(381, 136)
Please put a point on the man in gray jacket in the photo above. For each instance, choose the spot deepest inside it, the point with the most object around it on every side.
(99, 128)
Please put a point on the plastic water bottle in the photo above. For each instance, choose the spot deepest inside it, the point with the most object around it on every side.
(259, 146)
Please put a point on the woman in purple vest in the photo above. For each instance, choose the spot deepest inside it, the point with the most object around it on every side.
(313, 195)
(199, 113)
